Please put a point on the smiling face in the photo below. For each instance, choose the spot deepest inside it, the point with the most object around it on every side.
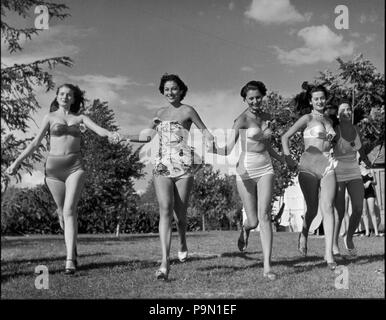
(318, 100)
(65, 97)
(254, 99)
(172, 92)
(345, 112)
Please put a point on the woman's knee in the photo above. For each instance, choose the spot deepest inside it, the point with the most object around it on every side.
(265, 217)
(69, 211)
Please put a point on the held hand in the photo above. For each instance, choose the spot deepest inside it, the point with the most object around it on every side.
(290, 162)
(114, 138)
(367, 184)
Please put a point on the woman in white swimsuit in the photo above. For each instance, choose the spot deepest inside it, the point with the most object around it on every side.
(254, 171)
(316, 170)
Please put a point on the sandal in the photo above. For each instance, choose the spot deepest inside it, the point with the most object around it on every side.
(242, 243)
(302, 249)
(162, 273)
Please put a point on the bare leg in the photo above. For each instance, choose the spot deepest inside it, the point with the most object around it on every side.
(327, 195)
(58, 191)
(365, 218)
(247, 191)
(371, 207)
(340, 205)
(164, 188)
(264, 197)
(356, 191)
(182, 191)
(309, 185)
(74, 187)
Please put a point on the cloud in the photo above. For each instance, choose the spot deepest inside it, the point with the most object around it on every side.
(231, 6)
(275, 12)
(368, 18)
(55, 42)
(247, 69)
(320, 45)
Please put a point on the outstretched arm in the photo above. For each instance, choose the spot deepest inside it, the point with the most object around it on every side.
(31, 147)
(235, 133)
(102, 132)
(200, 125)
(147, 134)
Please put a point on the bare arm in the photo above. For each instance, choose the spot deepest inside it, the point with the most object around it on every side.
(235, 133)
(272, 152)
(200, 125)
(291, 131)
(361, 151)
(147, 134)
(286, 136)
(102, 132)
(31, 147)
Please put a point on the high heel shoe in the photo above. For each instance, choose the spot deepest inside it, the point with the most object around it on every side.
(270, 275)
(70, 267)
(242, 243)
(163, 273)
(183, 256)
(302, 249)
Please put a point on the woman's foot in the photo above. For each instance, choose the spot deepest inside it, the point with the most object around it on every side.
(242, 243)
(183, 256)
(349, 244)
(270, 275)
(302, 245)
(70, 266)
(163, 272)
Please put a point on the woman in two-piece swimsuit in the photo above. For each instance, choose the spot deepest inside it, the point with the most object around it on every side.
(316, 170)
(254, 171)
(174, 164)
(348, 176)
(64, 171)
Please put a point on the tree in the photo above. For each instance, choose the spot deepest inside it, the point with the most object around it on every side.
(283, 117)
(211, 196)
(359, 81)
(109, 198)
(18, 100)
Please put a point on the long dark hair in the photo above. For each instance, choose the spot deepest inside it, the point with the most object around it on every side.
(78, 103)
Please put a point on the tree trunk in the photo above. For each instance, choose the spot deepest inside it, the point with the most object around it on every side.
(117, 230)
(203, 222)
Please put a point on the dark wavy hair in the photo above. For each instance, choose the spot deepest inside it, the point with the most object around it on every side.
(78, 98)
(318, 88)
(173, 77)
(253, 85)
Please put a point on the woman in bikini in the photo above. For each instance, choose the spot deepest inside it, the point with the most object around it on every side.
(174, 165)
(316, 170)
(254, 170)
(64, 171)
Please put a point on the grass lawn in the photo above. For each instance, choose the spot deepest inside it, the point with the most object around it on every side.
(124, 267)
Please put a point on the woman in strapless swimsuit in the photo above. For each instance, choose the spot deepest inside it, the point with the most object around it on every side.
(174, 164)
(64, 171)
(254, 171)
(316, 170)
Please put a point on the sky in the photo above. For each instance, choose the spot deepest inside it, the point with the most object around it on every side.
(121, 49)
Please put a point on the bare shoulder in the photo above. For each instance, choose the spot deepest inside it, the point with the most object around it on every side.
(240, 121)
(159, 111)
